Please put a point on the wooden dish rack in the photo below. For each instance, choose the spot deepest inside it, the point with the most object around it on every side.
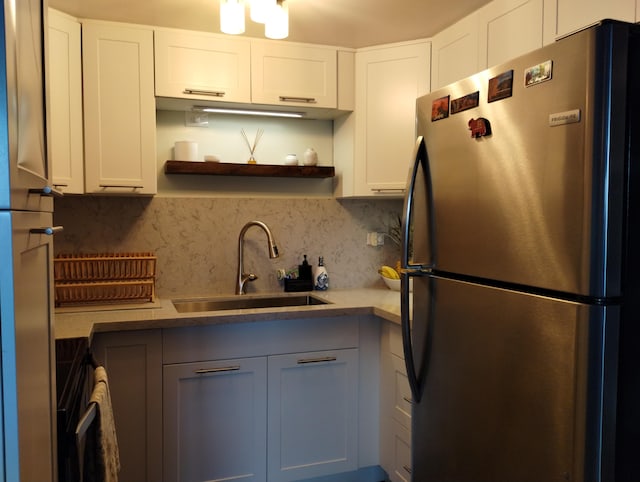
(104, 278)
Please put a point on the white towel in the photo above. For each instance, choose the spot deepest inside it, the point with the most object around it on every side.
(107, 455)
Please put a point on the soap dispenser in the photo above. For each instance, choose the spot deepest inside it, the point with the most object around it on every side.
(320, 276)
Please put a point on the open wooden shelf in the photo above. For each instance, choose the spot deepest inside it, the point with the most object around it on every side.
(259, 170)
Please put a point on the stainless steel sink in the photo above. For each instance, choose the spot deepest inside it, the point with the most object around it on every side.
(244, 302)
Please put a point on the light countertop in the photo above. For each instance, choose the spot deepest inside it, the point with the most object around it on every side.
(83, 322)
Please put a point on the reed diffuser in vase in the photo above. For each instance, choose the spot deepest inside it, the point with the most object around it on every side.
(252, 147)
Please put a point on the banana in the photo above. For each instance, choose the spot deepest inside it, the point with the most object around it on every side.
(388, 272)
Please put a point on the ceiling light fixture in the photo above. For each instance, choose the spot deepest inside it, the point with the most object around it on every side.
(260, 9)
(232, 16)
(268, 113)
(274, 14)
(277, 24)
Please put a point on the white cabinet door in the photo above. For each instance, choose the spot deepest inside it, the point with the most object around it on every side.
(65, 103)
(293, 75)
(119, 109)
(193, 65)
(313, 414)
(28, 351)
(133, 361)
(388, 81)
(455, 52)
(215, 421)
(576, 14)
(509, 28)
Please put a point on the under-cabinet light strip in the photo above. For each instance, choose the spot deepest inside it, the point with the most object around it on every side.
(219, 110)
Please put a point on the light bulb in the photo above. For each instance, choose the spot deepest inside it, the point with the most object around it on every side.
(232, 16)
(277, 25)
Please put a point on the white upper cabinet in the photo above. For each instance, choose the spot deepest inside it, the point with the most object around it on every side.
(573, 15)
(511, 28)
(65, 103)
(388, 81)
(293, 74)
(195, 65)
(119, 109)
(455, 52)
(498, 32)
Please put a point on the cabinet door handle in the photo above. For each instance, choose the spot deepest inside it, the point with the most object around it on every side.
(121, 186)
(47, 191)
(305, 100)
(408, 400)
(212, 93)
(303, 361)
(407, 469)
(49, 231)
(218, 369)
(389, 189)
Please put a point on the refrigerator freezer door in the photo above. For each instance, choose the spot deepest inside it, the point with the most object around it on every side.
(504, 379)
(539, 202)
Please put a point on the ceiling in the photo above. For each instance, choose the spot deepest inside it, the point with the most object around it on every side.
(345, 23)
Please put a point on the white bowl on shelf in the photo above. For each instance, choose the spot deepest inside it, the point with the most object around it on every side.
(394, 284)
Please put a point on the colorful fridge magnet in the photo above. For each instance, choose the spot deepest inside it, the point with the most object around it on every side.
(469, 101)
(538, 73)
(479, 127)
(501, 86)
(440, 108)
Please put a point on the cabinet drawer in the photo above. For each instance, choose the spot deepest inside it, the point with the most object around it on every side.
(234, 340)
(401, 471)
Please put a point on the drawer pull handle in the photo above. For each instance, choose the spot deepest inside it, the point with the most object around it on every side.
(212, 93)
(408, 400)
(304, 361)
(304, 100)
(49, 231)
(389, 189)
(203, 371)
(407, 469)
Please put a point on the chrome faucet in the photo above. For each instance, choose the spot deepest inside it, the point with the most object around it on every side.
(273, 253)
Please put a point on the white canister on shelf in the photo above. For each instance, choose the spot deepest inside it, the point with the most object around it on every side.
(185, 151)
(310, 157)
(291, 160)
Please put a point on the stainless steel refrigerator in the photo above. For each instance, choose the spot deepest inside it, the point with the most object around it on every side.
(521, 234)
(27, 358)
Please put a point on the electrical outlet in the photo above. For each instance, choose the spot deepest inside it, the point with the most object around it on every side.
(375, 239)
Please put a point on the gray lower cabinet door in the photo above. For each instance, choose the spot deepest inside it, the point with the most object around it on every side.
(214, 421)
(133, 360)
(313, 414)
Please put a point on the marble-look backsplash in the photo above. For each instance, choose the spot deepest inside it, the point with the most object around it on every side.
(196, 239)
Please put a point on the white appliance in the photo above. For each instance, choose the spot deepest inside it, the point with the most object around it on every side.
(522, 237)
(27, 444)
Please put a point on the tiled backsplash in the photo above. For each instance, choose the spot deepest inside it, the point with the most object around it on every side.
(196, 239)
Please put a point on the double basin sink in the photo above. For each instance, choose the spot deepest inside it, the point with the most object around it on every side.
(245, 302)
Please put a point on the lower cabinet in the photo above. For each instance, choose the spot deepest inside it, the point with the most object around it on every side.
(395, 407)
(312, 414)
(275, 401)
(215, 416)
(133, 361)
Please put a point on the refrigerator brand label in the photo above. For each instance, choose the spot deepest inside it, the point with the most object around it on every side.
(562, 118)
(538, 73)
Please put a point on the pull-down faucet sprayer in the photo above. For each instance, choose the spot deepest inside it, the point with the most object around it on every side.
(243, 277)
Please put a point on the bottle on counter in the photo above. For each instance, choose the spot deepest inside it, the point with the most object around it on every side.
(320, 276)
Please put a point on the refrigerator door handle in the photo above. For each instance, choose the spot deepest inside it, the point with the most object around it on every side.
(420, 158)
(407, 345)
